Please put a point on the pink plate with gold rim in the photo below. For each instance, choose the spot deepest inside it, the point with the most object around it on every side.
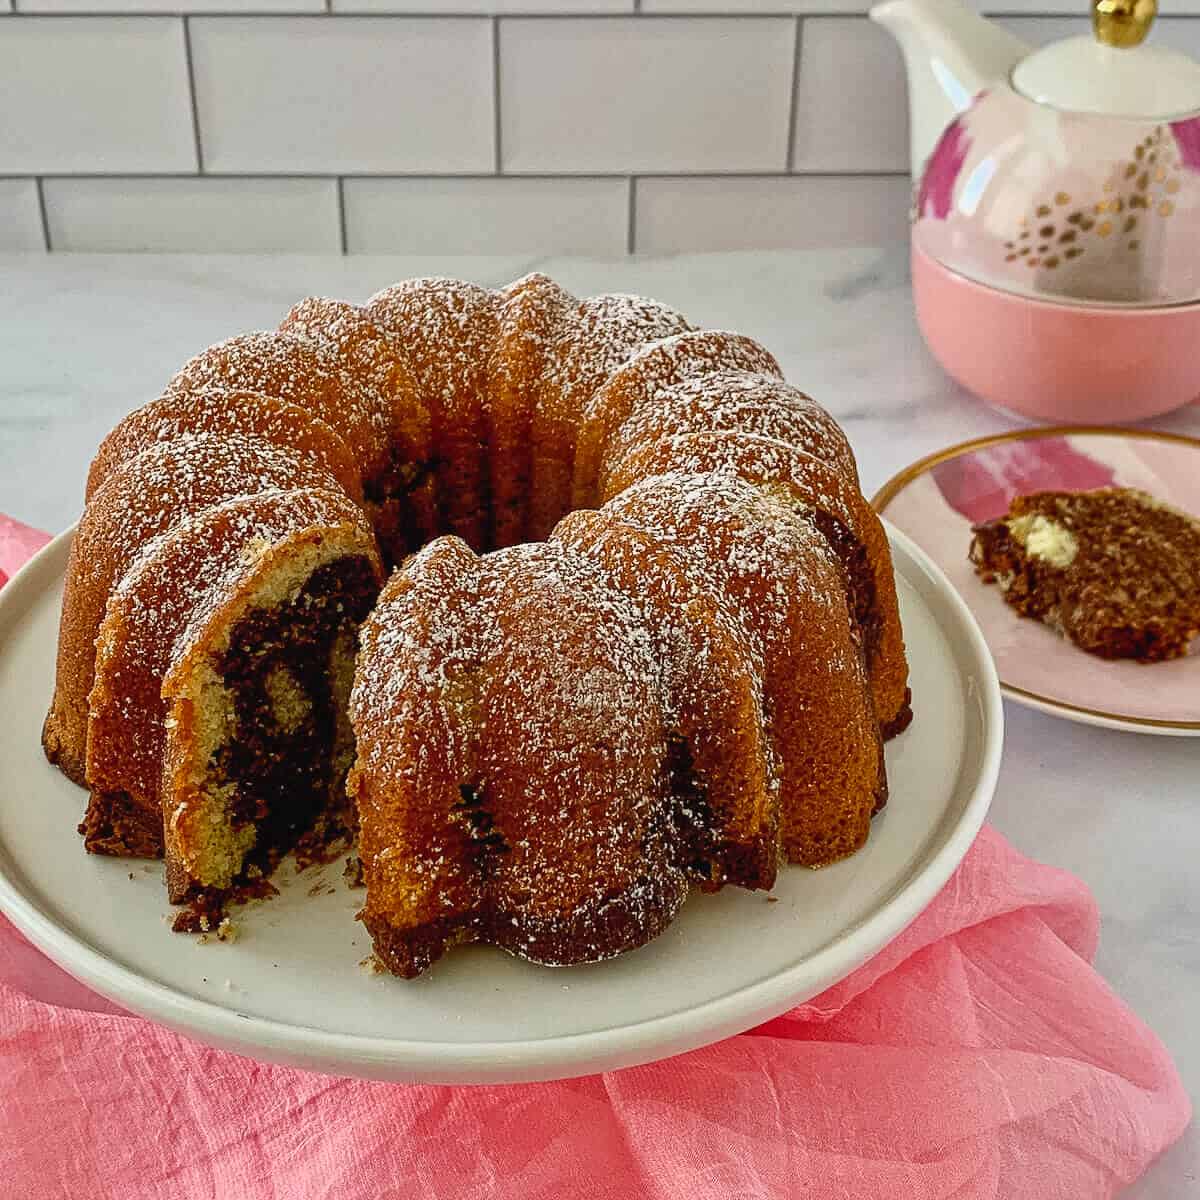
(937, 500)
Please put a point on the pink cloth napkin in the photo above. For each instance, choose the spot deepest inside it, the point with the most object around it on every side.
(978, 1055)
(17, 543)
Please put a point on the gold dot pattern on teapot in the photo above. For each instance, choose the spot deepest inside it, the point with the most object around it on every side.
(1140, 183)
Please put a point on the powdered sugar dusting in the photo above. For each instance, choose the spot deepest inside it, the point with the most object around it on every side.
(793, 603)
(548, 735)
(447, 329)
(584, 348)
(726, 532)
(291, 369)
(656, 366)
(606, 331)
(371, 355)
(227, 413)
(542, 690)
(730, 401)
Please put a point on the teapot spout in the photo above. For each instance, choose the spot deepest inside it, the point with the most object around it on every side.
(951, 54)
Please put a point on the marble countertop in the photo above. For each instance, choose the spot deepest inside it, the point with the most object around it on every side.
(84, 339)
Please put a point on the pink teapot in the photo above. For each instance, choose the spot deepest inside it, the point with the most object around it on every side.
(1056, 223)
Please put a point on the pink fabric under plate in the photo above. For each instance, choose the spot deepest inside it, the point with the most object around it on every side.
(978, 1055)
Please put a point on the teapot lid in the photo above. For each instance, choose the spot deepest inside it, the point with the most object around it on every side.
(1112, 72)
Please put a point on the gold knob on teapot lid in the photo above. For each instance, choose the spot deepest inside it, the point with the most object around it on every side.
(1123, 23)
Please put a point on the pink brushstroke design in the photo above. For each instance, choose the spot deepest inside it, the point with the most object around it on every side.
(1187, 138)
(941, 172)
(980, 486)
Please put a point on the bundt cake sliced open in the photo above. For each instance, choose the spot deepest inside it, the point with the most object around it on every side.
(511, 779)
(549, 742)
(262, 596)
(258, 740)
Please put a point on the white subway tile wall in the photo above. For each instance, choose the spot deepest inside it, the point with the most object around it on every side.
(596, 127)
(104, 94)
(676, 215)
(204, 215)
(487, 216)
(860, 63)
(558, 7)
(343, 94)
(171, 6)
(645, 94)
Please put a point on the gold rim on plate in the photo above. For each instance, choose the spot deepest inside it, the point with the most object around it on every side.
(922, 466)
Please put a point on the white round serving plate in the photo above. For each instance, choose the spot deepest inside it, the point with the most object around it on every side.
(291, 989)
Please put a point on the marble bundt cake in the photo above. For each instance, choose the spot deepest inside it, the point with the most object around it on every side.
(1113, 570)
(641, 634)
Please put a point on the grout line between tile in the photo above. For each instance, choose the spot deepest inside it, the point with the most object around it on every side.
(794, 102)
(631, 230)
(650, 173)
(341, 204)
(886, 173)
(466, 15)
(191, 78)
(498, 159)
(41, 199)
